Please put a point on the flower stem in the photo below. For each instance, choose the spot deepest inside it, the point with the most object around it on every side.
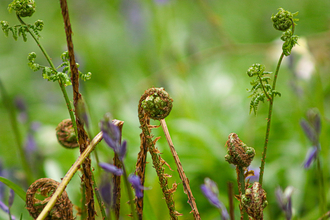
(98, 198)
(322, 192)
(117, 179)
(62, 86)
(129, 192)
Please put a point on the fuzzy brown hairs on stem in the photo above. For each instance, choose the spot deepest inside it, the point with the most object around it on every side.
(82, 135)
(159, 98)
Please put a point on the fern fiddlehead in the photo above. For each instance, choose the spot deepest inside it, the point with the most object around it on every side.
(155, 103)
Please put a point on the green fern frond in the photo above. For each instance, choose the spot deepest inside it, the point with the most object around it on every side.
(261, 88)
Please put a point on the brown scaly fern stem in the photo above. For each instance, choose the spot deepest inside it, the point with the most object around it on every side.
(148, 144)
(140, 171)
(82, 135)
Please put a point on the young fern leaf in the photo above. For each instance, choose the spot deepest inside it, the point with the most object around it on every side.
(261, 88)
(52, 74)
(20, 29)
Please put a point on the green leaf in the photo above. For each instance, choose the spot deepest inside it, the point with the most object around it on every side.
(17, 189)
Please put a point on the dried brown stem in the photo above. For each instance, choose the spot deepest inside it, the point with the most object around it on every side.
(183, 177)
(82, 135)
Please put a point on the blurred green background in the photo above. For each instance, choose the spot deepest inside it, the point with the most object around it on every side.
(199, 51)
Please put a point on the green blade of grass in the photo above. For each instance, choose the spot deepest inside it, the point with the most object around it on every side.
(17, 189)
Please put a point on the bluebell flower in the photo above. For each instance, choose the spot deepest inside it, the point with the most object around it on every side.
(309, 131)
(255, 177)
(105, 191)
(211, 192)
(11, 198)
(311, 156)
(30, 143)
(284, 200)
(2, 186)
(22, 109)
(111, 169)
(136, 183)
(3, 206)
(111, 135)
(314, 118)
(312, 130)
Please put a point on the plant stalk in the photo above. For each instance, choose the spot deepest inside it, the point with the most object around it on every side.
(241, 187)
(322, 192)
(62, 86)
(183, 177)
(66, 179)
(129, 192)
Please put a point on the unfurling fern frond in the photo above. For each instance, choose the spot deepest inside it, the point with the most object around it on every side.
(261, 88)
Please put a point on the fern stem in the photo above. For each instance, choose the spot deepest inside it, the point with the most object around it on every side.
(270, 110)
(263, 88)
(62, 86)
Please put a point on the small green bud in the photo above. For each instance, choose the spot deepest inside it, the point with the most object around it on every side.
(157, 103)
(24, 8)
(283, 20)
(65, 56)
(5, 27)
(286, 35)
(255, 70)
(39, 24)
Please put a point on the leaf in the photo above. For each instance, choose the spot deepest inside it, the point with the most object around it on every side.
(17, 189)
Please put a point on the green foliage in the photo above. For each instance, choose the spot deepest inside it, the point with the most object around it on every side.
(66, 67)
(52, 74)
(282, 21)
(17, 189)
(289, 41)
(21, 29)
(261, 88)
